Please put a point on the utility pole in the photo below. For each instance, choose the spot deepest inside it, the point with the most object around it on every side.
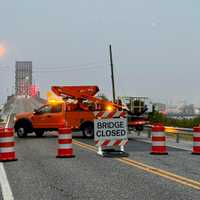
(112, 74)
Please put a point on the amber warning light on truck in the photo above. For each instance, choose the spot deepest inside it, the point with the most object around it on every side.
(53, 99)
(109, 108)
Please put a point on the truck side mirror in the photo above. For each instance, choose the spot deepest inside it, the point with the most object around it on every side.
(36, 111)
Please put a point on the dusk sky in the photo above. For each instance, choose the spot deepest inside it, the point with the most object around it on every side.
(156, 45)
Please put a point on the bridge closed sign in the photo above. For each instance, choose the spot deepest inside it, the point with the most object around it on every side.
(110, 129)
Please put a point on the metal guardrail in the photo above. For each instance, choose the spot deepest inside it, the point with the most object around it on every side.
(173, 130)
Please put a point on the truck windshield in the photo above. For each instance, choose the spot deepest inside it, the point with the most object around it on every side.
(51, 109)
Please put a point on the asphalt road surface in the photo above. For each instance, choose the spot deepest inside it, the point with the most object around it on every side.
(38, 174)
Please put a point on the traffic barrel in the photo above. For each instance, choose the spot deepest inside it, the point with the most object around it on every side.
(7, 145)
(65, 149)
(196, 140)
(158, 140)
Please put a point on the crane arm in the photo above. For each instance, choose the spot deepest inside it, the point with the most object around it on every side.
(82, 92)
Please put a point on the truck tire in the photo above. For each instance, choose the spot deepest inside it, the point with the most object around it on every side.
(22, 131)
(23, 127)
(88, 130)
(39, 132)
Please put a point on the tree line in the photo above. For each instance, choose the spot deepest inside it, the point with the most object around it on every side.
(155, 117)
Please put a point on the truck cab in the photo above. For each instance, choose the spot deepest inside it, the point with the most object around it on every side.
(49, 117)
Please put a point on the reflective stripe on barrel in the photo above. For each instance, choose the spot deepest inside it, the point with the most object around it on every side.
(7, 149)
(196, 140)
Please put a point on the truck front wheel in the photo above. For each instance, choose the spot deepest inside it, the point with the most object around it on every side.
(21, 131)
(88, 131)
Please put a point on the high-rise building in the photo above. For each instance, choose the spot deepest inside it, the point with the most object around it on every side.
(23, 77)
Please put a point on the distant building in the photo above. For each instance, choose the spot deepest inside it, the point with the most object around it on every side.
(173, 109)
(23, 77)
(188, 109)
(160, 107)
(197, 111)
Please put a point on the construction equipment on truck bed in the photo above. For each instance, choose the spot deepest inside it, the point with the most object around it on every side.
(135, 105)
(85, 95)
(136, 108)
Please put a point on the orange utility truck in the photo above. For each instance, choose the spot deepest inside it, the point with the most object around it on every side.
(77, 109)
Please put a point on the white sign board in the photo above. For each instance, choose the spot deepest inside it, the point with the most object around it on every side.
(110, 129)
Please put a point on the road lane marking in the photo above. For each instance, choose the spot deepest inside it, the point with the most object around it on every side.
(147, 168)
(163, 173)
(5, 186)
(89, 147)
(4, 183)
(8, 120)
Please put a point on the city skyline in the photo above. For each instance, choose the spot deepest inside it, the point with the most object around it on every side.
(155, 46)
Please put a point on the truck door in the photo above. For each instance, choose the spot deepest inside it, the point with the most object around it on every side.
(76, 115)
(49, 116)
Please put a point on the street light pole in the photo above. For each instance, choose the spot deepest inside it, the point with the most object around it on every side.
(112, 74)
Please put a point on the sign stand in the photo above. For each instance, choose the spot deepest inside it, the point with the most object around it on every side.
(112, 152)
(122, 148)
(100, 152)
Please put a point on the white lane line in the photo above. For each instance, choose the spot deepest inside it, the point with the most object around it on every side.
(5, 186)
(8, 120)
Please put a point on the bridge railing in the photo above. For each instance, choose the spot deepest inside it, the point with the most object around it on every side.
(178, 132)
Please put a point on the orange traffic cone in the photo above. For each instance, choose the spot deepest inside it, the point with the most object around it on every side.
(196, 140)
(65, 149)
(7, 145)
(158, 140)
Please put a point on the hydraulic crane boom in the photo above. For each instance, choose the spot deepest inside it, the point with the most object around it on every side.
(81, 92)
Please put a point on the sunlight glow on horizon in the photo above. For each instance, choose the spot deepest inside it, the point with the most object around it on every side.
(2, 50)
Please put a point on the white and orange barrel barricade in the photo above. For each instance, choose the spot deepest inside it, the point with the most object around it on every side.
(196, 140)
(65, 149)
(7, 145)
(158, 139)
